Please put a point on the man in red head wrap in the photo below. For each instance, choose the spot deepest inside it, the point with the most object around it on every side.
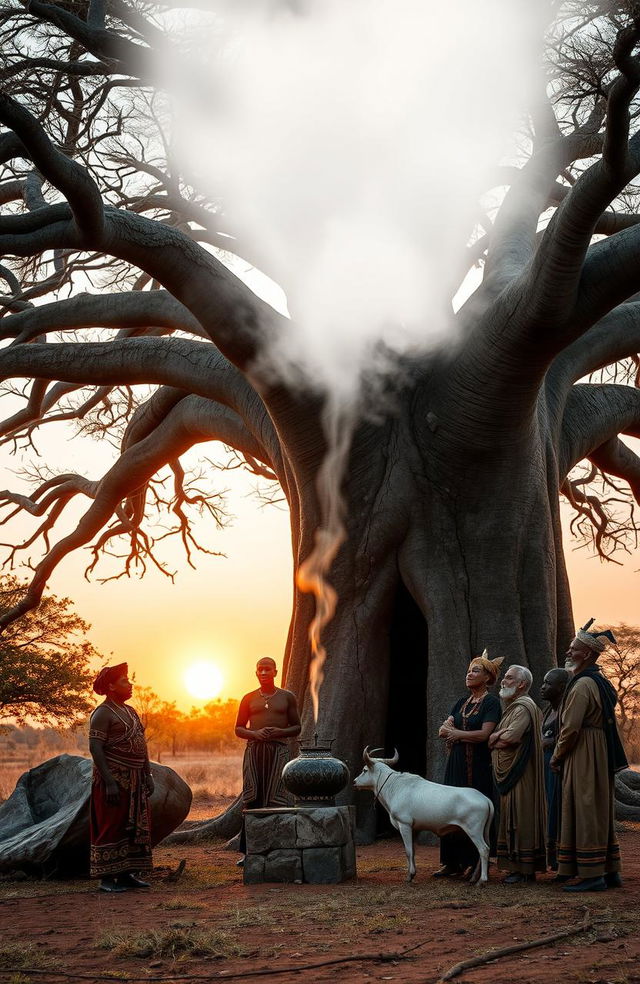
(122, 783)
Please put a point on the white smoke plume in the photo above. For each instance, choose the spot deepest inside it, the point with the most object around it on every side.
(349, 141)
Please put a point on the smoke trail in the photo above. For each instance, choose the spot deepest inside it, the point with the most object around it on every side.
(338, 423)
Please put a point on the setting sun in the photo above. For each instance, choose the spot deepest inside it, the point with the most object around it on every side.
(203, 680)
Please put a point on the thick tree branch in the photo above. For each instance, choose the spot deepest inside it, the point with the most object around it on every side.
(513, 240)
(135, 309)
(614, 338)
(73, 180)
(103, 44)
(557, 266)
(610, 275)
(191, 366)
(615, 458)
(593, 415)
(238, 321)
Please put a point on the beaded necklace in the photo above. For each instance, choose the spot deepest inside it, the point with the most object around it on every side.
(470, 707)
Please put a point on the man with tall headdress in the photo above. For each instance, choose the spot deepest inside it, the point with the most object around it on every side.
(588, 753)
(122, 783)
(518, 769)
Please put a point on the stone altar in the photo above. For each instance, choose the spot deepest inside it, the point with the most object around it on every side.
(300, 844)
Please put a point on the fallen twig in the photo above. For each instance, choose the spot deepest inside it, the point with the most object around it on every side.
(221, 975)
(506, 951)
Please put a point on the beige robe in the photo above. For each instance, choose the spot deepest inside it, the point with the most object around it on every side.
(523, 810)
(587, 843)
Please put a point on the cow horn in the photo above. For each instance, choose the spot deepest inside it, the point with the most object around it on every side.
(366, 756)
(391, 761)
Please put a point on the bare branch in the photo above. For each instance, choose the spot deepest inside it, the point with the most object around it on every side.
(193, 420)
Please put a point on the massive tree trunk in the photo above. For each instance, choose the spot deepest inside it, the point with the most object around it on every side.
(451, 548)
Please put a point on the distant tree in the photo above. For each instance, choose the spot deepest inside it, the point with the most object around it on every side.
(161, 720)
(220, 717)
(621, 663)
(209, 728)
(212, 727)
(44, 661)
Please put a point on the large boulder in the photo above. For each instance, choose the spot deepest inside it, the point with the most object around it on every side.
(44, 825)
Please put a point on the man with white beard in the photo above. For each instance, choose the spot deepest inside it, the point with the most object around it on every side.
(518, 769)
(588, 752)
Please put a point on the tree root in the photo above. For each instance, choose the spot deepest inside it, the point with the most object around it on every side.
(507, 951)
(222, 827)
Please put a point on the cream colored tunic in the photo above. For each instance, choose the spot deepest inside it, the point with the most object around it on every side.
(523, 812)
(587, 843)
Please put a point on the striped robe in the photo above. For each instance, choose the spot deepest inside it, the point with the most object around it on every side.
(262, 774)
(587, 842)
(523, 811)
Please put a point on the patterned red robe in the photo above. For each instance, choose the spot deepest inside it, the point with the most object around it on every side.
(120, 832)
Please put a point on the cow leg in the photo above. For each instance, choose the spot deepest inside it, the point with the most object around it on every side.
(406, 832)
(476, 835)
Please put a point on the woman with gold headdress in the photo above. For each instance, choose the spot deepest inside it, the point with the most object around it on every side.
(466, 733)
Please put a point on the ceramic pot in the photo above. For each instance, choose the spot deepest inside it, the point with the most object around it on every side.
(315, 776)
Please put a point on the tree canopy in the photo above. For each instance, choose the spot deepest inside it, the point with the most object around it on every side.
(45, 672)
(621, 663)
(451, 501)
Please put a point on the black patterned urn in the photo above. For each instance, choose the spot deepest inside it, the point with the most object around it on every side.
(315, 776)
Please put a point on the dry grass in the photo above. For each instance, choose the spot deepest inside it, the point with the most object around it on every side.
(210, 778)
(181, 902)
(24, 956)
(179, 939)
(9, 775)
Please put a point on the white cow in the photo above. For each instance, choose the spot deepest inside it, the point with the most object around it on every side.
(415, 804)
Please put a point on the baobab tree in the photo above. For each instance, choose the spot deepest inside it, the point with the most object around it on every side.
(452, 500)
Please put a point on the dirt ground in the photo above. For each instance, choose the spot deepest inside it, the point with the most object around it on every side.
(209, 926)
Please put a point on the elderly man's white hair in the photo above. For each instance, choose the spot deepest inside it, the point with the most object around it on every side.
(524, 675)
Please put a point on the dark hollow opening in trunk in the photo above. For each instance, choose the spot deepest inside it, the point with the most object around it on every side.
(407, 707)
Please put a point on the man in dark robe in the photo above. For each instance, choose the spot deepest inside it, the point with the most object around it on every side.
(588, 753)
(516, 746)
(552, 691)
(267, 719)
(121, 785)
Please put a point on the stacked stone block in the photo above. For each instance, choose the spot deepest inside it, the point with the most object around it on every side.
(300, 844)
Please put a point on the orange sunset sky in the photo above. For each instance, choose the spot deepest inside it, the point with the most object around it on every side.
(232, 610)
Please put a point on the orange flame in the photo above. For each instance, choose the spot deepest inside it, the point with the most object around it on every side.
(331, 534)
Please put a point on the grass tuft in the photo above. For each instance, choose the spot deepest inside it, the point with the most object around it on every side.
(21, 956)
(173, 942)
(181, 902)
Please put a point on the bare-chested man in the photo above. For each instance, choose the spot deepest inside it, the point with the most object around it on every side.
(267, 718)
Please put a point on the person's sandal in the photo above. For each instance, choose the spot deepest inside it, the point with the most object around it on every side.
(446, 871)
(110, 886)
